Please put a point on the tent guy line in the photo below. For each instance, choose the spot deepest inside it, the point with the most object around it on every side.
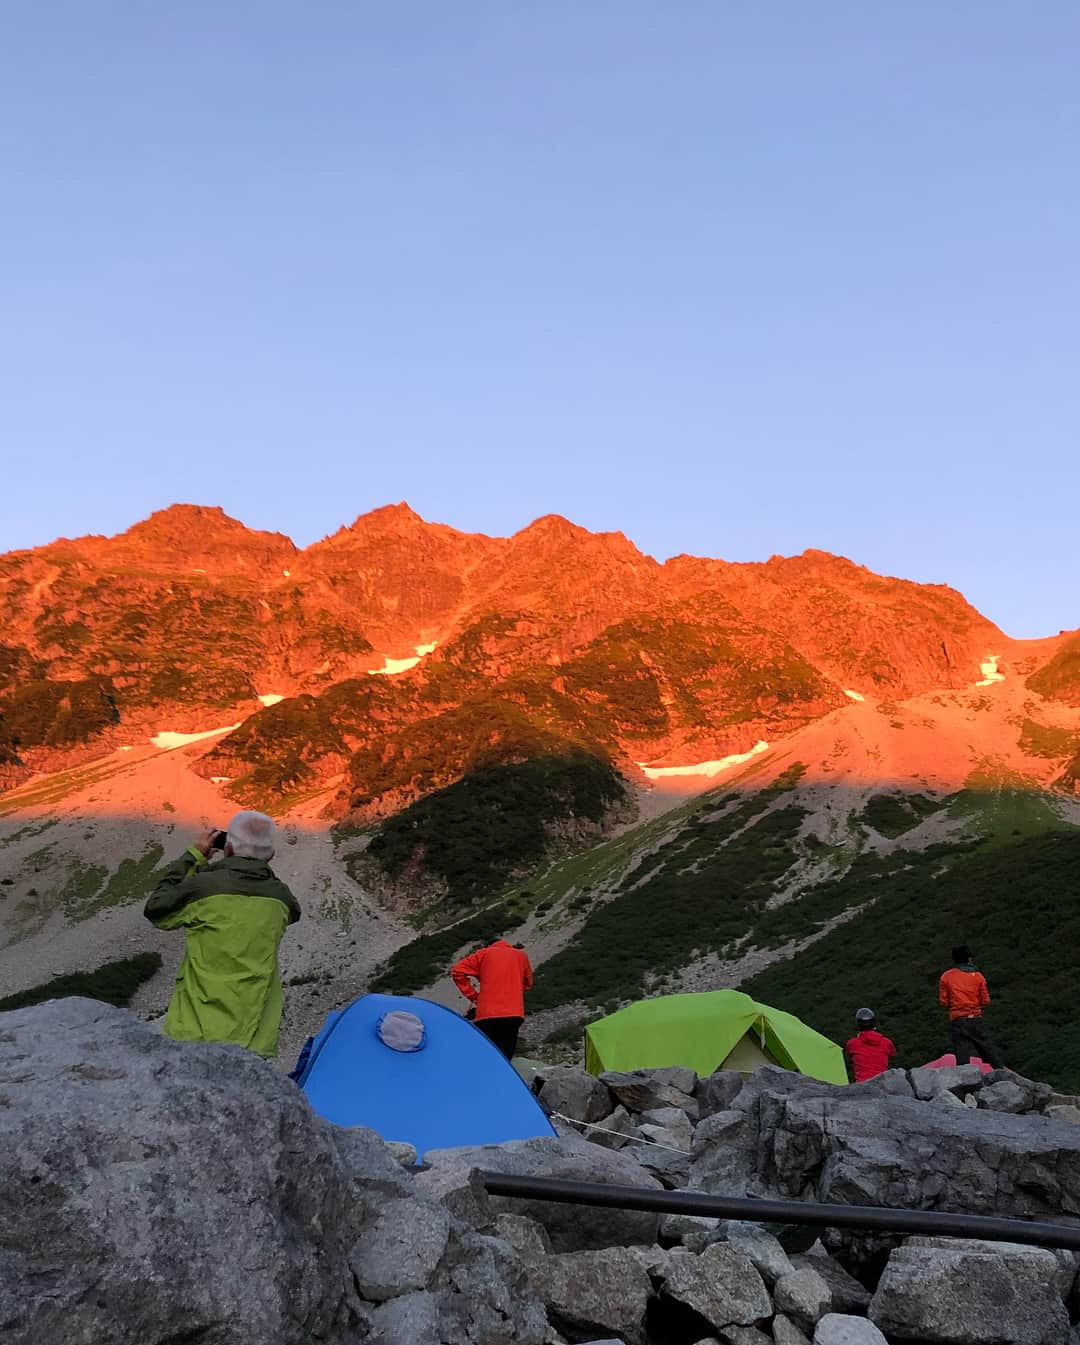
(633, 1139)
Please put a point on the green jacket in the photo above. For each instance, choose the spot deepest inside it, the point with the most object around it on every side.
(233, 914)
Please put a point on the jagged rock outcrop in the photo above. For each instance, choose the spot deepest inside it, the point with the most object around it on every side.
(962, 1296)
(559, 625)
(795, 1138)
(153, 1193)
(570, 1227)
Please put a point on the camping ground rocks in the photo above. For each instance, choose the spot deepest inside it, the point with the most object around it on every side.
(153, 1193)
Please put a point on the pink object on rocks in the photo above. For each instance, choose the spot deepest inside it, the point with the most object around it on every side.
(949, 1062)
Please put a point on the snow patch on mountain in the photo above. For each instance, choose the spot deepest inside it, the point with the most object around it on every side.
(400, 665)
(170, 740)
(989, 669)
(271, 699)
(707, 768)
(854, 695)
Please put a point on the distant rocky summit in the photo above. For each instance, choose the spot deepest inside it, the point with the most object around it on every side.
(153, 1193)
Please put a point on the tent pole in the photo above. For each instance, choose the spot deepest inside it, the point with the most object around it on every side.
(877, 1218)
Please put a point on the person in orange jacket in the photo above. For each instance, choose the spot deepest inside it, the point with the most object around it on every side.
(504, 975)
(963, 991)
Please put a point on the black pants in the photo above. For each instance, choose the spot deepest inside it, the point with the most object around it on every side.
(969, 1037)
(503, 1032)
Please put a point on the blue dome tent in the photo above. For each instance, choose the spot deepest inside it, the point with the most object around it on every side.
(416, 1071)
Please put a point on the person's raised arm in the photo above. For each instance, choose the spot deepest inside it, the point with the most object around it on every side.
(461, 973)
(167, 898)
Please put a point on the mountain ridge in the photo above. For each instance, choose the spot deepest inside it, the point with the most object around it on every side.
(191, 617)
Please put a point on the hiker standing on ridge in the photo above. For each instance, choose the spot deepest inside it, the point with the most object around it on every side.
(233, 913)
(869, 1051)
(962, 990)
(504, 975)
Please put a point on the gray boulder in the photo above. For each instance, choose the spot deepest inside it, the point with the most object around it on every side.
(676, 1076)
(849, 1297)
(575, 1093)
(613, 1131)
(893, 1083)
(803, 1295)
(928, 1083)
(969, 1298)
(1010, 1095)
(642, 1090)
(151, 1190)
(785, 1331)
(671, 1119)
(586, 1292)
(691, 1230)
(137, 1174)
(790, 1137)
(460, 1189)
(528, 1238)
(763, 1250)
(1039, 1095)
(1003, 1096)
(480, 1295)
(371, 1161)
(670, 1169)
(1036, 1259)
(668, 1139)
(412, 1319)
(402, 1152)
(400, 1250)
(741, 1335)
(570, 1227)
(837, 1328)
(720, 1287)
(718, 1091)
(654, 1260)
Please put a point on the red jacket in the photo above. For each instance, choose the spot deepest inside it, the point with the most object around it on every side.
(504, 975)
(870, 1054)
(962, 990)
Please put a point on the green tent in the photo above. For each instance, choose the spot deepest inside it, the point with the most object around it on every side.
(720, 1029)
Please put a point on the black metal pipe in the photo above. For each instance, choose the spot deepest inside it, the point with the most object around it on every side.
(877, 1218)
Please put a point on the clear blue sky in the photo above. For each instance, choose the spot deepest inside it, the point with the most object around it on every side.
(734, 278)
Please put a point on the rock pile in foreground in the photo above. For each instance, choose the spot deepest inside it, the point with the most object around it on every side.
(159, 1194)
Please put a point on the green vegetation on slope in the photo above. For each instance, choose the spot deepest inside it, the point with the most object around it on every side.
(497, 821)
(114, 982)
(702, 892)
(57, 714)
(1060, 678)
(1047, 740)
(1014, 903)
(418, 963)
(894, 815)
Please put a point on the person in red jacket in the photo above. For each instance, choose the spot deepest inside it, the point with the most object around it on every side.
(504, 975)
(869, 1051)
(963, 991)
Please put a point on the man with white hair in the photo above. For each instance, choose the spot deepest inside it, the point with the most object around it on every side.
(233, 913)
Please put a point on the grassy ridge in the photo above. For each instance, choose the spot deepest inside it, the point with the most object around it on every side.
(706, 889)
(477, 833)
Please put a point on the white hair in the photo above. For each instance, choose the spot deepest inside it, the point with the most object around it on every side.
(252, 835)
